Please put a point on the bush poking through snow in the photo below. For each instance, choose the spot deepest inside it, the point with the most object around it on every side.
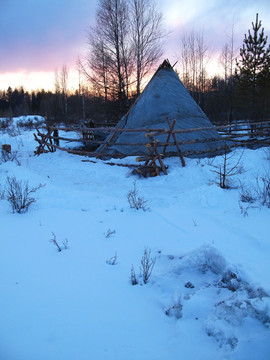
(10, 156)
(59, 248)
(55, 242)
(175, 310)
(263, 189)
(65, 243)
(267, 153)
(147, 264)
(189, 285)
(27, 124)
(5, 122)
(135, 201)
(13, 131)
(258, 193)
(247, 195)
(2, 193)
(112, 260)
(19, 194)
(231, 281)
(109, 233)
(133, 278)
(230, 342)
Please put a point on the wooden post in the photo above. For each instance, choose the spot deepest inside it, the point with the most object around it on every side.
(6, 148)
(170, 133)
(155, 151)
(176, 143)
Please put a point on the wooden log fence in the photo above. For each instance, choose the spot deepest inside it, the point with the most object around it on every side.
(160, 131)
(232, 135)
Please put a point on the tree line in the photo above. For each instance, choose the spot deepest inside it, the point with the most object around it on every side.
(125, 45)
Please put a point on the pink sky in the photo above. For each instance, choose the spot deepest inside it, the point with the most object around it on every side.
(39, 36)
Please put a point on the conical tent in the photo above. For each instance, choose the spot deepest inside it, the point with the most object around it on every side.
(164, 97)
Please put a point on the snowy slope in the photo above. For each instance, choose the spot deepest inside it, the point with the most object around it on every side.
(207, 297)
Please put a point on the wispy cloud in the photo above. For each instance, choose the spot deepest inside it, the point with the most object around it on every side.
(43, 34)
(214, 19)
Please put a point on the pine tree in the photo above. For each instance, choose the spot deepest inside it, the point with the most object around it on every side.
(251, 69)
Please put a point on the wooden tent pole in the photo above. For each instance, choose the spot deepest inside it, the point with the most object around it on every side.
(170, 133)
(176, 143)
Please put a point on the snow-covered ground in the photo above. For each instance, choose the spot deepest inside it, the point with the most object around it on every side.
(207, 297)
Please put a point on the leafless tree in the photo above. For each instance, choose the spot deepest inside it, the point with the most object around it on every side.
(203, 57)
(124, 44)
(226, 169)
(224, 60)
(227, 61)
(194, 56)
(109, 46)
(61, 88)
(81, 87)
(184, 61)
(64, 86)
(146, 35)
(97, 66)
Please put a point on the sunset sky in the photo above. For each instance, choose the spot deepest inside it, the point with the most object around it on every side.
(39, 36)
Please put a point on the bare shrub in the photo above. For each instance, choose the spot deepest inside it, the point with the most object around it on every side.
(175, 310)
(147, 264)
(4, 123)
(56, 243)
(133, 278)
(19, 194)
(135, 201)
(27, 124)
(109, 233)
(247, 195)
(6, 156)
(255, 195)
(2, 193)
(267, 153)
(65, 243)
(13, 131)
(225, 170)
(244, 209)
(263, 189)
(112, 260)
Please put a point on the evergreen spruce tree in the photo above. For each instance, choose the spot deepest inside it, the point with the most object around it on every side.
(252, 70)
(265, 85)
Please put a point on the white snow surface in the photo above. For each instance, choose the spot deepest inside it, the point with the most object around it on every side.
(207, 297)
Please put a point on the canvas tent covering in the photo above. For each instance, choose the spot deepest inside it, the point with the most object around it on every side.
(164, 97)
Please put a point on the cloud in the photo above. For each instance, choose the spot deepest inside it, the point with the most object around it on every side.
(214, 19)
(42, 34)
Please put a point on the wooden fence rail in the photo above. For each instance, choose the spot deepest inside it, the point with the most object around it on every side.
(154, 131)
(234, 135)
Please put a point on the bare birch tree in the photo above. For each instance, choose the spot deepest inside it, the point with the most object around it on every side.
(64, 87)
(224, 61)
(61, 88)
(97, 67)
(110, 39)
(193, 59)
(227, 61)
(124, 44)
(146, 36)
(203, 57)
(184, 61)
